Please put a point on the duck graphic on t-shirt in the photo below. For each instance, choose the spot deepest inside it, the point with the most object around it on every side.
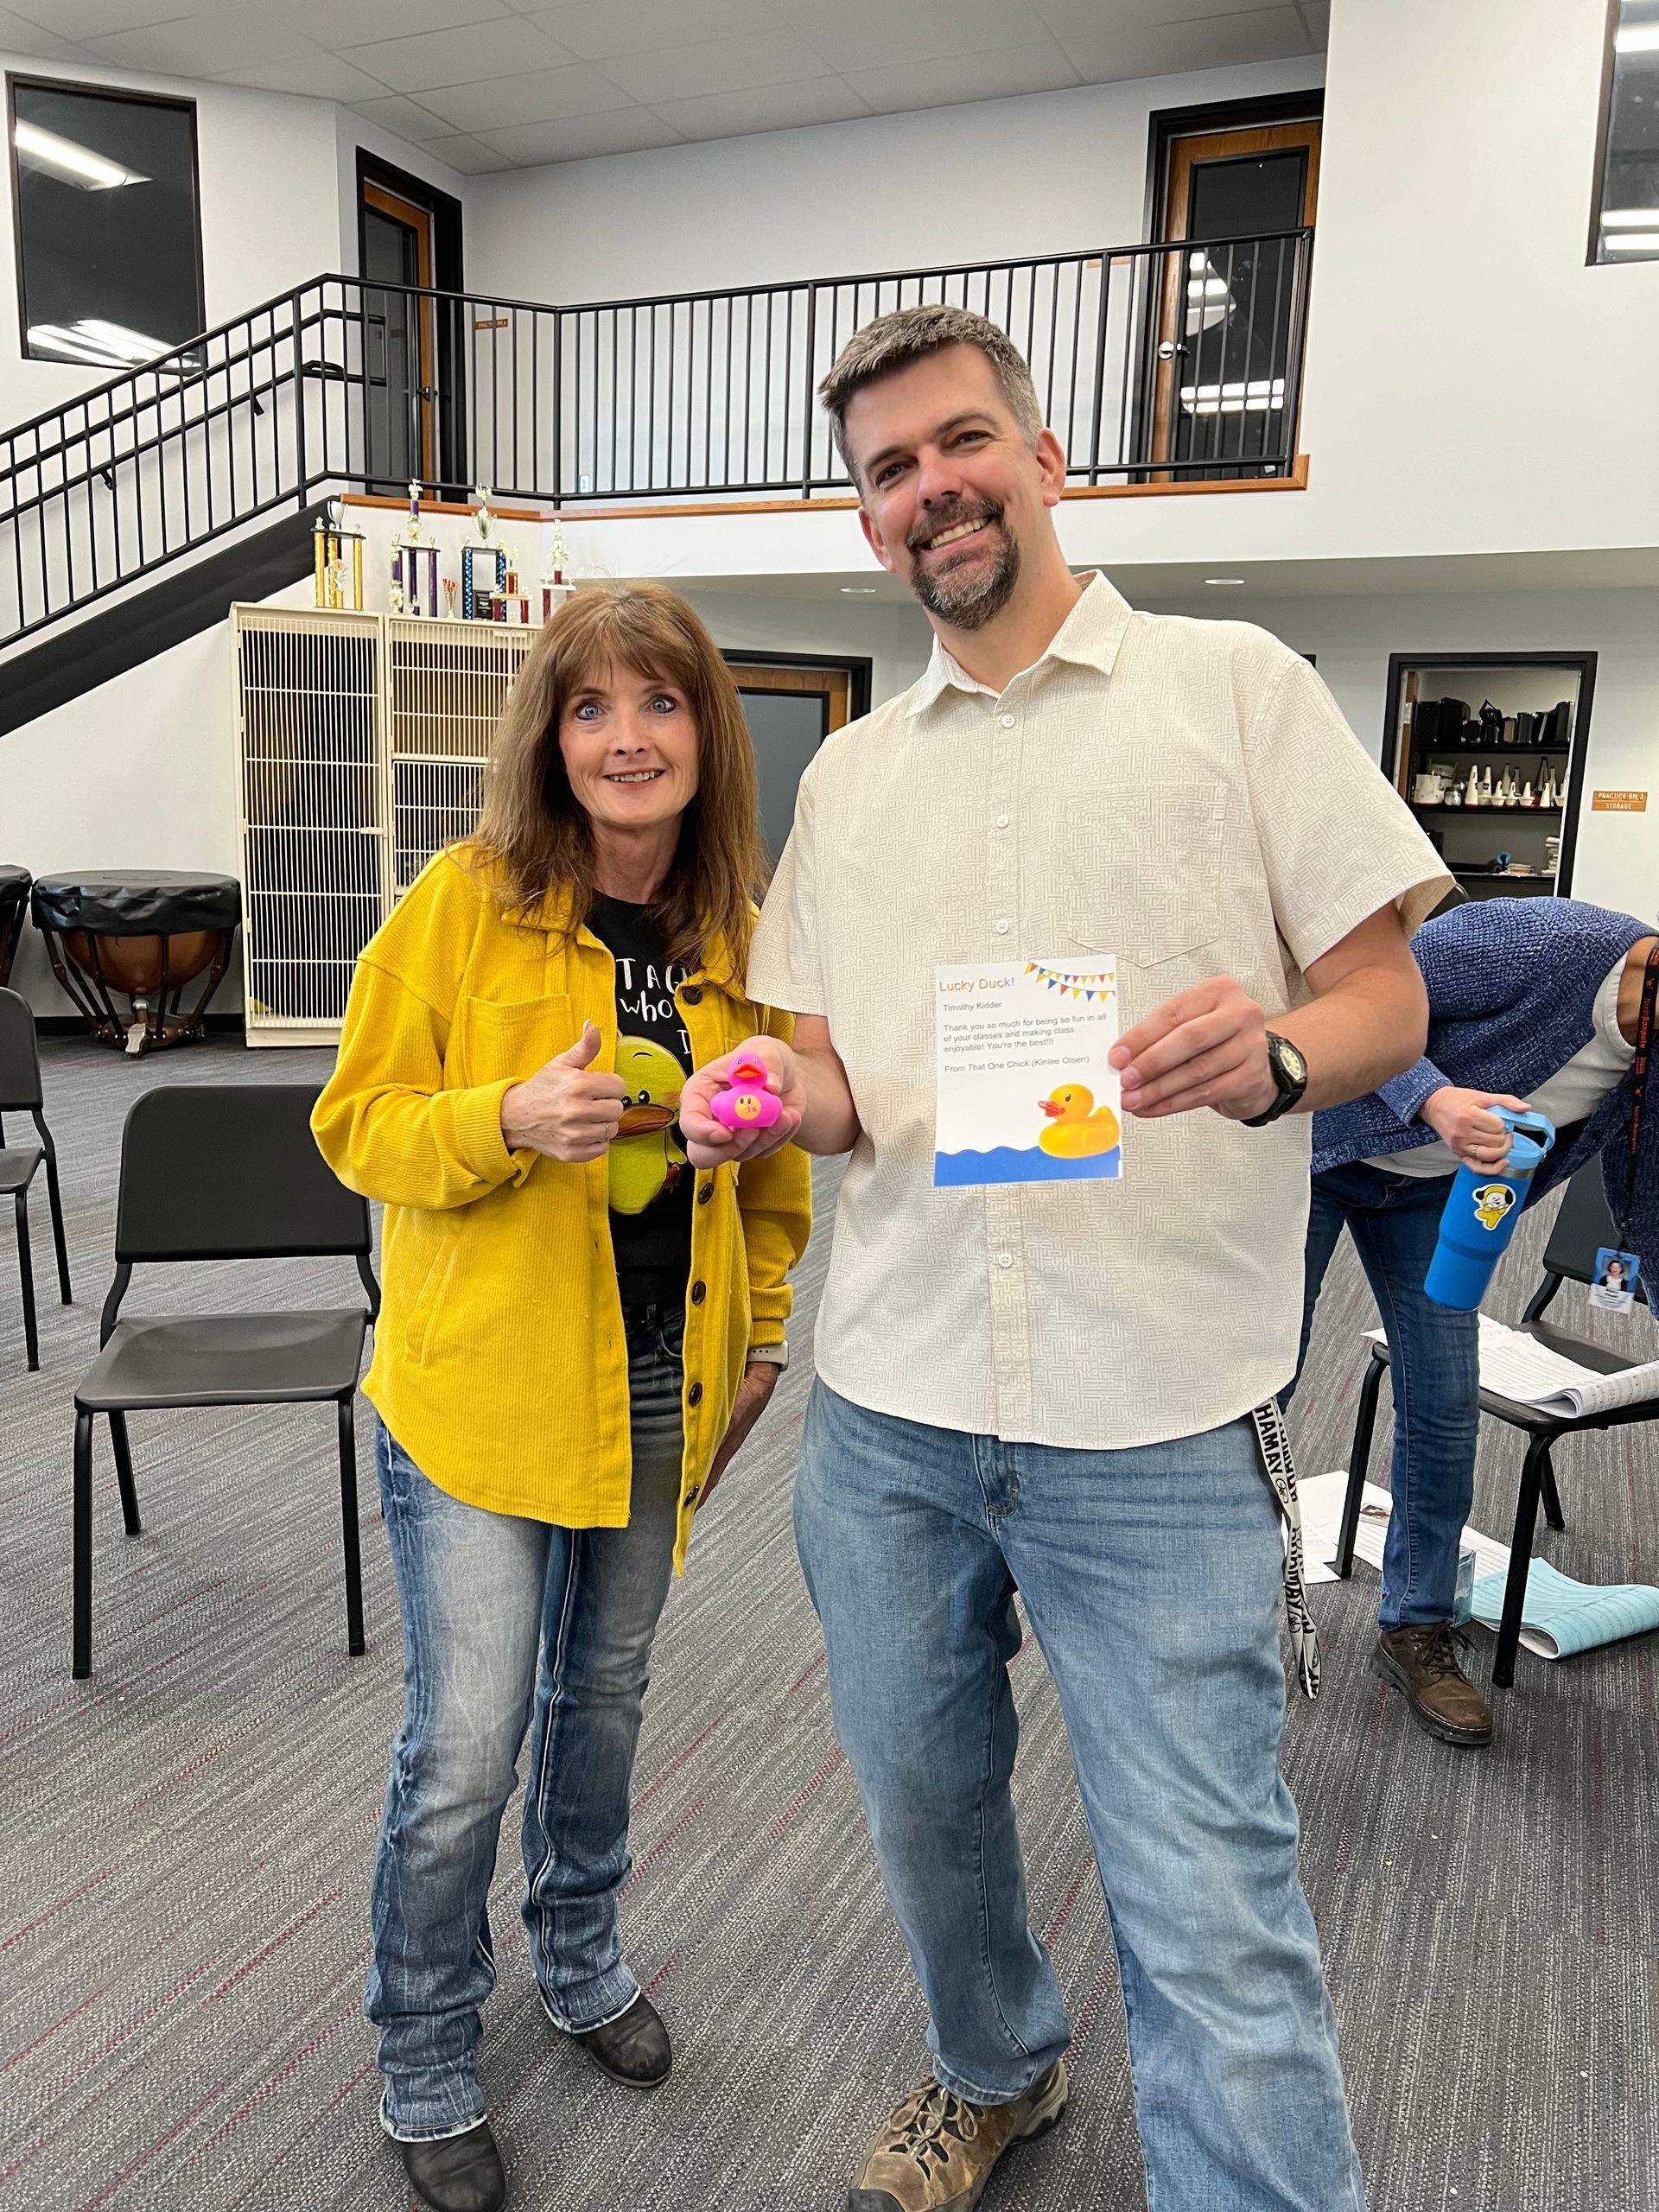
(647, 1157)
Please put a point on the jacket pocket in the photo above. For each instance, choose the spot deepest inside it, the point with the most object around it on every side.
(1143, 869)
(428, 1299)
(499, 1040)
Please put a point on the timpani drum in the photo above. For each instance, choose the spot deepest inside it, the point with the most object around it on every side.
(144, 935)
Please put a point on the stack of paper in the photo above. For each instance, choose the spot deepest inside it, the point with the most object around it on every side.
(1560, 1617)
(1515, 1365)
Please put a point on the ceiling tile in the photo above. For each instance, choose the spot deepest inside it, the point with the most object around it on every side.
(80, 19)
(597, 29)
(1070, 19)
(29, 40)
(336, 23)
(405, 118)
(718, 65)
(1171, 49)
(766, 107)
(320, 76)
(503, 47)
(1315, 14)
(873, 34)
(540, 96)
(578, 137)
(1038, 68)
(466, 155)
(200, 45)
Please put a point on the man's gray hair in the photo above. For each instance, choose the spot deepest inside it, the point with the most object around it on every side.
(893, 342)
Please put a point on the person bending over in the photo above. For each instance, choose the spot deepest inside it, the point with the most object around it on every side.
(1531, 1001)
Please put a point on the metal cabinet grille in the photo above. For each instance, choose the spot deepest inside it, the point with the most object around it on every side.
(361, 745)
(446, 685)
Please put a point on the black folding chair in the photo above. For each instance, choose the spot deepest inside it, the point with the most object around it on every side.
(219, 1171)
(20, 1088)
(1581, 1228)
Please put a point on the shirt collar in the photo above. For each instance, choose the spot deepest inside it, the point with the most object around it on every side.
(1088, 637)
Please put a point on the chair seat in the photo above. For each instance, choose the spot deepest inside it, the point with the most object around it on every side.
(17, 1166)
(226, 1359)
(1520, 1414)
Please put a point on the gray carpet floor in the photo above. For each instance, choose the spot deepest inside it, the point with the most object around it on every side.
(185, 1839)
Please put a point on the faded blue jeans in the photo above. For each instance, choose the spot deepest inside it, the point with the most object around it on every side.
(1152, 1578)
(508, 1620)
(1434, 1366)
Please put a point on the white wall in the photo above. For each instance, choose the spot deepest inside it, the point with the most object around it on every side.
(1617, 863)
(1048, 173)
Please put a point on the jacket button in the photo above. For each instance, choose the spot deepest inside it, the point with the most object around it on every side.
(693, 1395)
(706, 1192)
(692, 994)
(699, 1292)
(694, 1493)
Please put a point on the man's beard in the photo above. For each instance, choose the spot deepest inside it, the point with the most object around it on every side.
(978, 597)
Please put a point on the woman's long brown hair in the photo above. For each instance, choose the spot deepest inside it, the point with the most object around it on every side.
(536, 833)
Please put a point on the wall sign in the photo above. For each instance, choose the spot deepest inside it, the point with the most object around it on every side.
(1620, 803)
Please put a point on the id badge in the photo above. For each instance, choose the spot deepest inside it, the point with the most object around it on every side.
(1613, 1286)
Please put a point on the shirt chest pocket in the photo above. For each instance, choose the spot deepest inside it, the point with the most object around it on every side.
(1142, 873)
(508, 1040)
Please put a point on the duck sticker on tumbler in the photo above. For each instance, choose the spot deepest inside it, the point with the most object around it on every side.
(1026, 1090)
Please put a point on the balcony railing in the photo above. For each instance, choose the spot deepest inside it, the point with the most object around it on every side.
(1155, 363)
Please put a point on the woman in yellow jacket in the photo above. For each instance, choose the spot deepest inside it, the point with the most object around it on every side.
(579, 1329)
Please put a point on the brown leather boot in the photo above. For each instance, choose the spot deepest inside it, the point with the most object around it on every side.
(936, 2150)
(1421, 1661)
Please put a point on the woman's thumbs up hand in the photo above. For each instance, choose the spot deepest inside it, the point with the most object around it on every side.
(569, 1109)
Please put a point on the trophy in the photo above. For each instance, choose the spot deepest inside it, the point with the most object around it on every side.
(555, 587)
(483, 566)
(415, 564)
(329, 538)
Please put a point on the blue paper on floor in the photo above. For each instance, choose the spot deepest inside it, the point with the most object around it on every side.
(1561, 1617)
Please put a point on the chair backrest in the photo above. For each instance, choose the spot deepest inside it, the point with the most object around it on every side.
(232, 1171)
(20, 1058)
(1582, 1227)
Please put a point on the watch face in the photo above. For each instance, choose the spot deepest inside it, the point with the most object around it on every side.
(1291, 1060)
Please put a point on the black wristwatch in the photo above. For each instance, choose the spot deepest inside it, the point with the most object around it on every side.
(1289, 1072)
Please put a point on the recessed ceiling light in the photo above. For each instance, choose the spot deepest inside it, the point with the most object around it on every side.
(1629, 219)
(1223, 580)
(858, 591)
(1631, 242)
(1637, 38)
(73, 163)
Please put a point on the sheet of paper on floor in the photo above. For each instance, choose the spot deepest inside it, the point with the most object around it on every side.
(1321, 1497)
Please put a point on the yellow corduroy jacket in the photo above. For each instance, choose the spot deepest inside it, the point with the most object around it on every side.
(500, 1361)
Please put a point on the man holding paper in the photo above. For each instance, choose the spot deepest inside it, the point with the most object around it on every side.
(1064, 1383)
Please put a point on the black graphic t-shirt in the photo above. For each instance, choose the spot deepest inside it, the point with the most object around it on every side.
(650, 1182)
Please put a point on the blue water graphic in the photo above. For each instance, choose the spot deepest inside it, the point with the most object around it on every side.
(1004, 1163)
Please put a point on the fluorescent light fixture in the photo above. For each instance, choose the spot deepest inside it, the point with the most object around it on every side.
(1629, 219)
(73, 346)
(72, 162)
(1207, 287)
(1223, 580)
(1631, 242)
(130, 344)
(858, 591)
(1637, 38)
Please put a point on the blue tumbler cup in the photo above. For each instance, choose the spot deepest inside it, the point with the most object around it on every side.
(1480, 1214)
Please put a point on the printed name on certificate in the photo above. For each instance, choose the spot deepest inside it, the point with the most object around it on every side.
(1026, 1093)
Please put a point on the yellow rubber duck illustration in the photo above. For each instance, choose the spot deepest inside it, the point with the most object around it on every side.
(1079, 1127)
(646, 1159)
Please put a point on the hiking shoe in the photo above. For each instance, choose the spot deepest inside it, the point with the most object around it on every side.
(1422, 1662)
(936, 2150)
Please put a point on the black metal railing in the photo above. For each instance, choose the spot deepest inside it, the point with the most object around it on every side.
(1161, 363)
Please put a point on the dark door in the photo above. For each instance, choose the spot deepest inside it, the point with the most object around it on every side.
(1230, 309)
(397, 250)
(790, 711)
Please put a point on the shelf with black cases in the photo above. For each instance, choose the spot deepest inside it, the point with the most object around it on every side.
(1523, 716)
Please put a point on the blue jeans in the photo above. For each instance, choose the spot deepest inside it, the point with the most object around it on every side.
(1152, 1580)
(504, 1620)
(1435, 1366)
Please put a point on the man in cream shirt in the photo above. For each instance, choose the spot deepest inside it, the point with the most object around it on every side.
(1067, 1388)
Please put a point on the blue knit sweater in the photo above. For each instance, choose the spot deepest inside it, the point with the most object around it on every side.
(1512, 987)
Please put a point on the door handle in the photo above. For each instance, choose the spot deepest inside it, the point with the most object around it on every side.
(1167, 351)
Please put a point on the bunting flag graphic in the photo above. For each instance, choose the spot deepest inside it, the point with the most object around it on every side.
(1074, 983)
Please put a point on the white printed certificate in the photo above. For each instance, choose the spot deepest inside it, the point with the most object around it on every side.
(1026, 1093)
